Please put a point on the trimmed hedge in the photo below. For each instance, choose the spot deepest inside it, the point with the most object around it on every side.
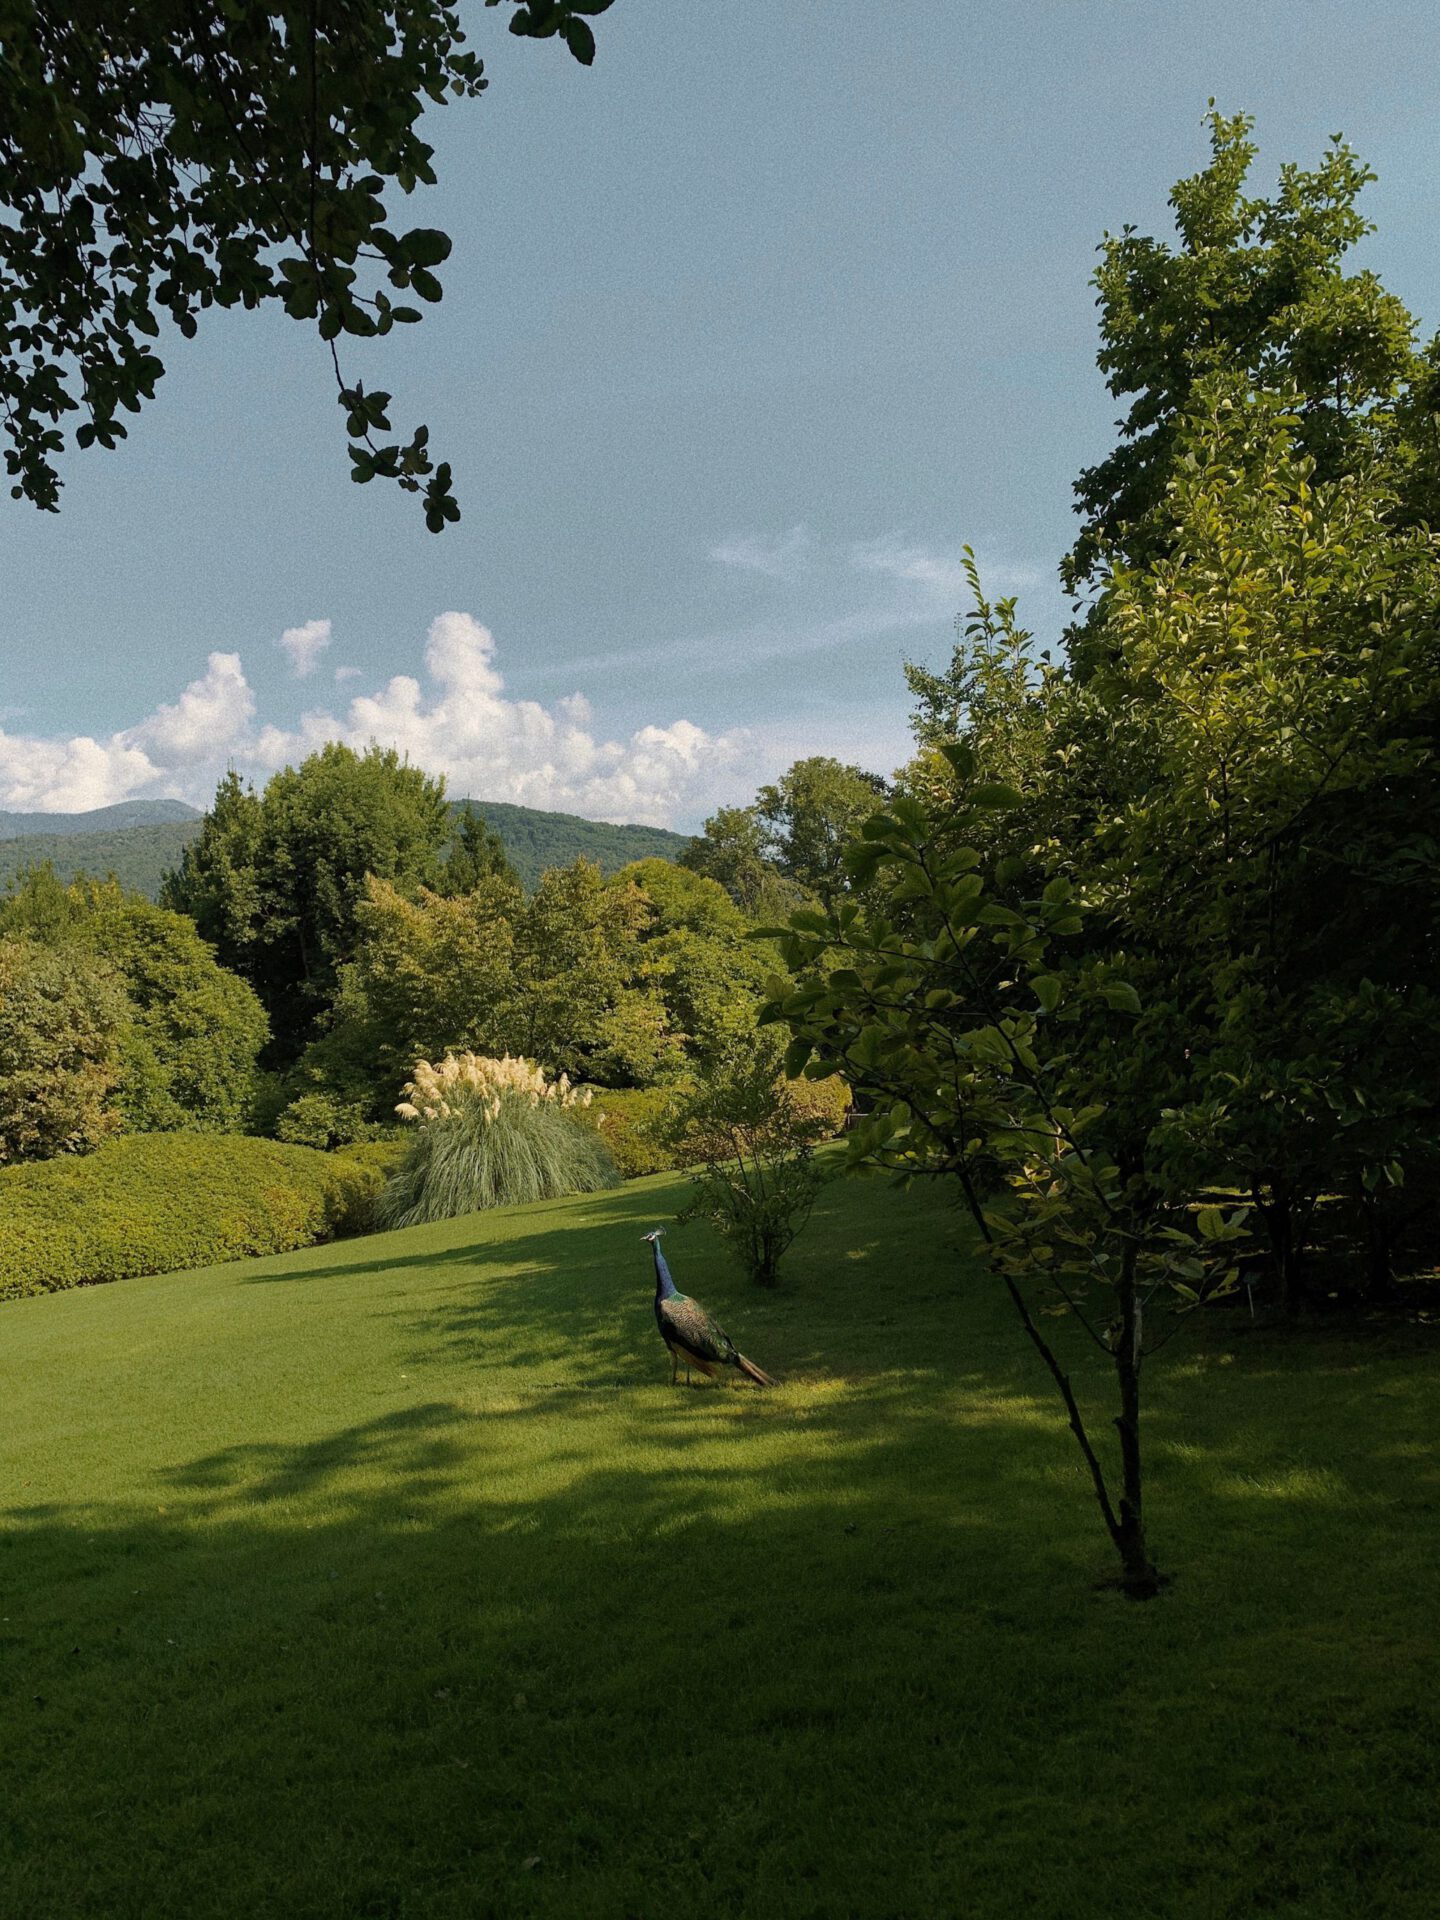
(151, 1203)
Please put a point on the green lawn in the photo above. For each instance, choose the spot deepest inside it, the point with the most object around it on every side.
(393, 1579)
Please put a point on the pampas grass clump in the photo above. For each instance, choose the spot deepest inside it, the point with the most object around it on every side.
(490, 1133)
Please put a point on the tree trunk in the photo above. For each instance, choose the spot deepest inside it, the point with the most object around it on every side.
(1140, 1579)
(1279, 1214)
(1379, 1252)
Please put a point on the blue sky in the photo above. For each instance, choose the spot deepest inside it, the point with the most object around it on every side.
(746, 332)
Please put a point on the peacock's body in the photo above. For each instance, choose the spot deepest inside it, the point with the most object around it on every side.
(694, 1339)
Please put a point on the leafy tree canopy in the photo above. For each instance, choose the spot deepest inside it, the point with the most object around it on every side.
(192, 1033)
(1253, 287)
(160, 160)
(274, 879)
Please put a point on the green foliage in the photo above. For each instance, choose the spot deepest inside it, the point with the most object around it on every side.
(697, 956)
(475, 1158)
(322, 1121)
(275, 880)
(161, 161)
(62, 1017)
(625, 981)
(578, 1008)
(633, 1122)
(1255, 289)
(809, 816)
(757, 1176)
(194, 1031)
(476, 853)
(153, 1203)
(737, 852)
(428, 976)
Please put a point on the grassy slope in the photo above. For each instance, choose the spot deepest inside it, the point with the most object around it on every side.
(393, 1579)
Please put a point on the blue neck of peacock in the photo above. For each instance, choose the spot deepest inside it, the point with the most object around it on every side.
(665, 1287)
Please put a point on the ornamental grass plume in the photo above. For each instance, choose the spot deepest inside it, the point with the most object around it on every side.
(490, 1133)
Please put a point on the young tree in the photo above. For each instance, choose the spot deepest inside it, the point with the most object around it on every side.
(990, 1040)
(161, 160)
(752, 1148)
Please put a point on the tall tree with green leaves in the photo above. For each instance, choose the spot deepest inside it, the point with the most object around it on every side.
(1256, 288)
(160, 160)
(810, 814)
(274, 880)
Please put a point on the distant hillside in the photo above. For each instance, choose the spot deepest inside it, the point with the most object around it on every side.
(139, 857)
(535, 840)
(117, 819)
(140, 853)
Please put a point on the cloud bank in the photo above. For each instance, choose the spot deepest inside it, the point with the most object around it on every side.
(456, 720)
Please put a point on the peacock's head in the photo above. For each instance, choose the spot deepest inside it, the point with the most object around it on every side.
(653, 1235)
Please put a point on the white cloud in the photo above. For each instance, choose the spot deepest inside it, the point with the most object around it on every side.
(305, 644)
(214, 708)
(70, 776)
(778, 557)
(455, 719)
(342, 674)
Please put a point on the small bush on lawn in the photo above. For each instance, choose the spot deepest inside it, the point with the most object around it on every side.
(751, 1141)
(150, 1203)
(490, 1133)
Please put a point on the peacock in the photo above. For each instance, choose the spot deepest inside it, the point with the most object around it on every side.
(692, 1336)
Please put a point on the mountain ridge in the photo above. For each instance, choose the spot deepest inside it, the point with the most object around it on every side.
(140, 853)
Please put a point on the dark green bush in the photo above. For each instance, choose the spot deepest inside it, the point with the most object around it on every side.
(323, 1121)
(631, 1123)
(150, 1203)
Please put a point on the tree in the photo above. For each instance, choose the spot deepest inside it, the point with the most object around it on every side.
(1257, 289)
(427, 977)
(162, 160)
(695, 950)
(809, 815)
(192, 1033)
(476, 853)
(581, 1011)
(274, 882)
(991, 1040)
(61, 1020)
(736, 851)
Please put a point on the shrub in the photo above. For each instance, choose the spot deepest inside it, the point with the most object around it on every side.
(490, 1133)
(324, 1121)
(194, 1031)
(633, 1123)
(62, 1016)
(150, 1203)
(755, 1144)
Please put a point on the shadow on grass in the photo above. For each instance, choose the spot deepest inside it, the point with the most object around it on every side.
(572, 1642)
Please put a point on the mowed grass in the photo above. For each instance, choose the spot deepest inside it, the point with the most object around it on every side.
(394, 1579)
